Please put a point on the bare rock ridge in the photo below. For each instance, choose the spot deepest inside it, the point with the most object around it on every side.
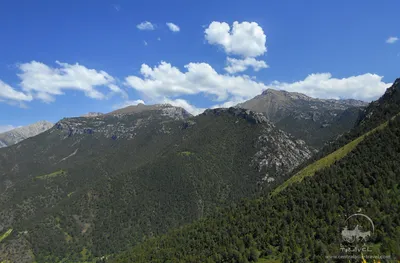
(92, 114)
(250, 116)
(275, 103)
(14, 136)
(313, 120)
(122, 123)
(166, 109)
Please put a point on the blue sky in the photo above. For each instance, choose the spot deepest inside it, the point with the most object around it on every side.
(67, 58)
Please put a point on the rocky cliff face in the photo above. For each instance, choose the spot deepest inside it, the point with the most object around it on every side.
(92, 114)
(250, 116)
(313, 120)
(278, 153)
(22, 133)
(123, 123)
(176, 113)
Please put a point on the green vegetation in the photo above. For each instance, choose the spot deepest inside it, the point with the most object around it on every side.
(303, 222)
(127, 191)
(171, 191)
(6, 234)
(51, 175)
(326, 161)
(377, 113)
(186, 153)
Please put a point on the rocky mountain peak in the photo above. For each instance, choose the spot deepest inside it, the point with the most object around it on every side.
(92, 114)
(163, 109)
(284, 95)
(392, 89)
(250, 116)
(310, 119)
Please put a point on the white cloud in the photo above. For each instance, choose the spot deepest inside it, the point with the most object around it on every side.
(164, 80)
(173, 27)
(246, 39)
(159, 39)
(392, 40)
(127, 103)
(8, 93)
(364, 87)
(145, 43)
(44, 82)
(146, 25)
(239, 65)
(5, 128)
(184, 104)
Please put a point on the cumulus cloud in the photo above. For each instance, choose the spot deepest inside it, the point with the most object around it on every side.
(245, 39)
(164, 80)
(392, 40)
(173, 27)
(9, 93)
(44, 82)
(239, 65)
(5, 128)
(365, 87)
(146, 25)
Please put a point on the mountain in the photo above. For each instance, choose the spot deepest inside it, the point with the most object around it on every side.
(92, 114)
(382, 109)
(16, 135)
(375, 114)
(167, 109)
(313, 120)
(306, 220)
(91, 187)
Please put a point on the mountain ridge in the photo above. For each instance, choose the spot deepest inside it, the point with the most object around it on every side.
(21, 133)
(310, 119)
(303, 221)
(85, 174)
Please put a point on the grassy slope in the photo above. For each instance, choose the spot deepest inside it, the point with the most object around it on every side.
(326, 161)
(51, 175)
(6, 234)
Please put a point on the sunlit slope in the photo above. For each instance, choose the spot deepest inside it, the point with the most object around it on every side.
(328, 160)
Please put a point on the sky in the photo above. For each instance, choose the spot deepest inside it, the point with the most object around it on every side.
(67, 58)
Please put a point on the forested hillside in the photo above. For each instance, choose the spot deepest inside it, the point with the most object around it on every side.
(97, 186)
(301, 223)
(376, 113)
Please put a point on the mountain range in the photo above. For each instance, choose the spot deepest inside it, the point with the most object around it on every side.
(16, 135)
(304, 219)
(91, 187)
